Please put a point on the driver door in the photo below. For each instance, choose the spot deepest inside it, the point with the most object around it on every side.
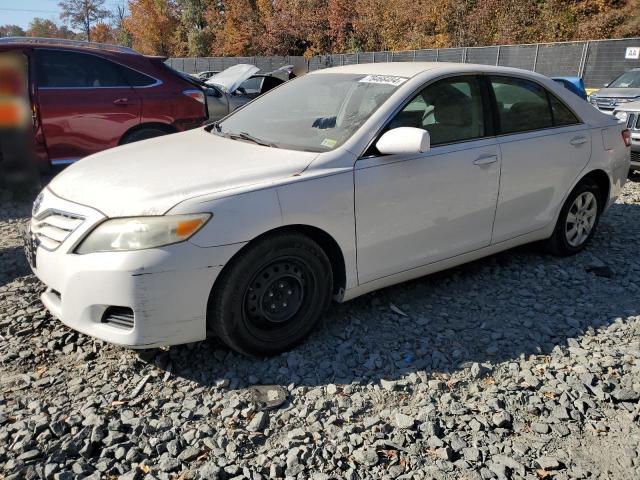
(416, 209)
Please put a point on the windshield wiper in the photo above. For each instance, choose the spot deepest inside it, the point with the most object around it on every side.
(251, 138)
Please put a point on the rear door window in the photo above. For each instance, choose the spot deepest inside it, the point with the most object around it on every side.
(62, 69)
(561, 114)
(522, 105)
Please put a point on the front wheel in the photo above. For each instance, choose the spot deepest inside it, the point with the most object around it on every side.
(270, 297)
(578, 220)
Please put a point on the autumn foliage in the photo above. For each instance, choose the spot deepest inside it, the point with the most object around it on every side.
(310, 27)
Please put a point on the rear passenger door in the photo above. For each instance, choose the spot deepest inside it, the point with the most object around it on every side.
(543, 147)
(86, 103)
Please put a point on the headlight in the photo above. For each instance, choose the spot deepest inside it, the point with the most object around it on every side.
(120, 234)
(622, 116)
(592, 99)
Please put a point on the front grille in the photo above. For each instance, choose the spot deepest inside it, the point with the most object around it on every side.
(606, 103)
(54, 227)
(119, 317)
(635, 157)
(631, 120)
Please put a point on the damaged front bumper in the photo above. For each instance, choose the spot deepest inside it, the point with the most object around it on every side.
(140, 299)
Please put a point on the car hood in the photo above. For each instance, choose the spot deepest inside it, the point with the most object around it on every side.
(152, 176)
(618, 92)
(231, 78)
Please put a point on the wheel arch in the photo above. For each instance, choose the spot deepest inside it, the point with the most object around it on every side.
(328, 244)
(602, 180)
(143, 126)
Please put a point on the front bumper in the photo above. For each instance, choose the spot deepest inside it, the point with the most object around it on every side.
(166, 288)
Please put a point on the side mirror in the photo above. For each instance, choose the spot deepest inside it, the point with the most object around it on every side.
(213, 92)
(606, 85)
(404, 140)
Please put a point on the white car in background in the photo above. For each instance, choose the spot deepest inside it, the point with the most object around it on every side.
(338, 183)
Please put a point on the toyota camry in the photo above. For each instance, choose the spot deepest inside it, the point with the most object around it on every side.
(330, 186)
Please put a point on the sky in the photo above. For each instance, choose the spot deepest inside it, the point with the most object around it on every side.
(21, 12)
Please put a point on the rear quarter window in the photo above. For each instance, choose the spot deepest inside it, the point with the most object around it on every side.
(135, 78)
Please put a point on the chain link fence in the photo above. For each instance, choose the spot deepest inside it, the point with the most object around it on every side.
(596, 61)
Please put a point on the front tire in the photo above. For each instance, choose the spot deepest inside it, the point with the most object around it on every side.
(271, 296)
(578, 220)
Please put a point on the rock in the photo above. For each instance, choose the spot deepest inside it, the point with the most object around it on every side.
(189, 453)
(365, 456)
(502, 419)
(541, 428)
(402, 421)
(510, 463)
(547, 463)
(625, 395)
(471, 454)
(259, 422)
(297, 434)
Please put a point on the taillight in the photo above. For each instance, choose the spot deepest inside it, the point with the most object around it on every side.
(626, 137)
(197, 95)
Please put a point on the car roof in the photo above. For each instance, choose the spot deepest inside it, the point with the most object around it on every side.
(65, 43)
(411, 69)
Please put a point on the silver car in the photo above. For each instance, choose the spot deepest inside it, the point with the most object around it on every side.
(629, 113)
(236, 86)
(624, 89)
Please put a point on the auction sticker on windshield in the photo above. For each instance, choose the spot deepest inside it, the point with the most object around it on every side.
(383, 79)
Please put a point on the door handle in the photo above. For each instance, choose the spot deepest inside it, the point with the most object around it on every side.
(576, 141)
(485, 159)
(122, 102)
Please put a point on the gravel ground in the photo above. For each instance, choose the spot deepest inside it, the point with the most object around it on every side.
(520, 365)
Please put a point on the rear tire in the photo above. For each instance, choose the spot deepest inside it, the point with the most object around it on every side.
(270, 297)
(142, 134)
(578, 220)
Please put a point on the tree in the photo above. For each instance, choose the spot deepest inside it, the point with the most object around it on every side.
(194, 34)
(102, 33)
(83, 14)
(120, 33)
(11, 31)
(40, 27)
(152, 25)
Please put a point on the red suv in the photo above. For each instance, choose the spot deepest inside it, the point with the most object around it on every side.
(87, 97)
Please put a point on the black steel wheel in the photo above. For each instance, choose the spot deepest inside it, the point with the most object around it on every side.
(270, 297)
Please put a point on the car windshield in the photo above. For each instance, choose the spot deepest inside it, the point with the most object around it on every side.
(317, 112)
(627, 80)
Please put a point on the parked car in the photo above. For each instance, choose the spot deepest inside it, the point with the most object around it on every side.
(338, 183)
(624, 89)
(235, 87)
(573, 84)
(629, 114)
(206, 75)
(88, 97)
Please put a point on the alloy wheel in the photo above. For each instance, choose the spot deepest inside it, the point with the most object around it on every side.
(581, 219)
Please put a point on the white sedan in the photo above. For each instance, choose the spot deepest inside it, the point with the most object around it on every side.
(332, 185)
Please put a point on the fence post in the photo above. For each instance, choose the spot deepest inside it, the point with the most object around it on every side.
(464, 55)
(357, 58)
(535, 58)
(498, 57)
(583, 62)
(414, 55)
(437, 54)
